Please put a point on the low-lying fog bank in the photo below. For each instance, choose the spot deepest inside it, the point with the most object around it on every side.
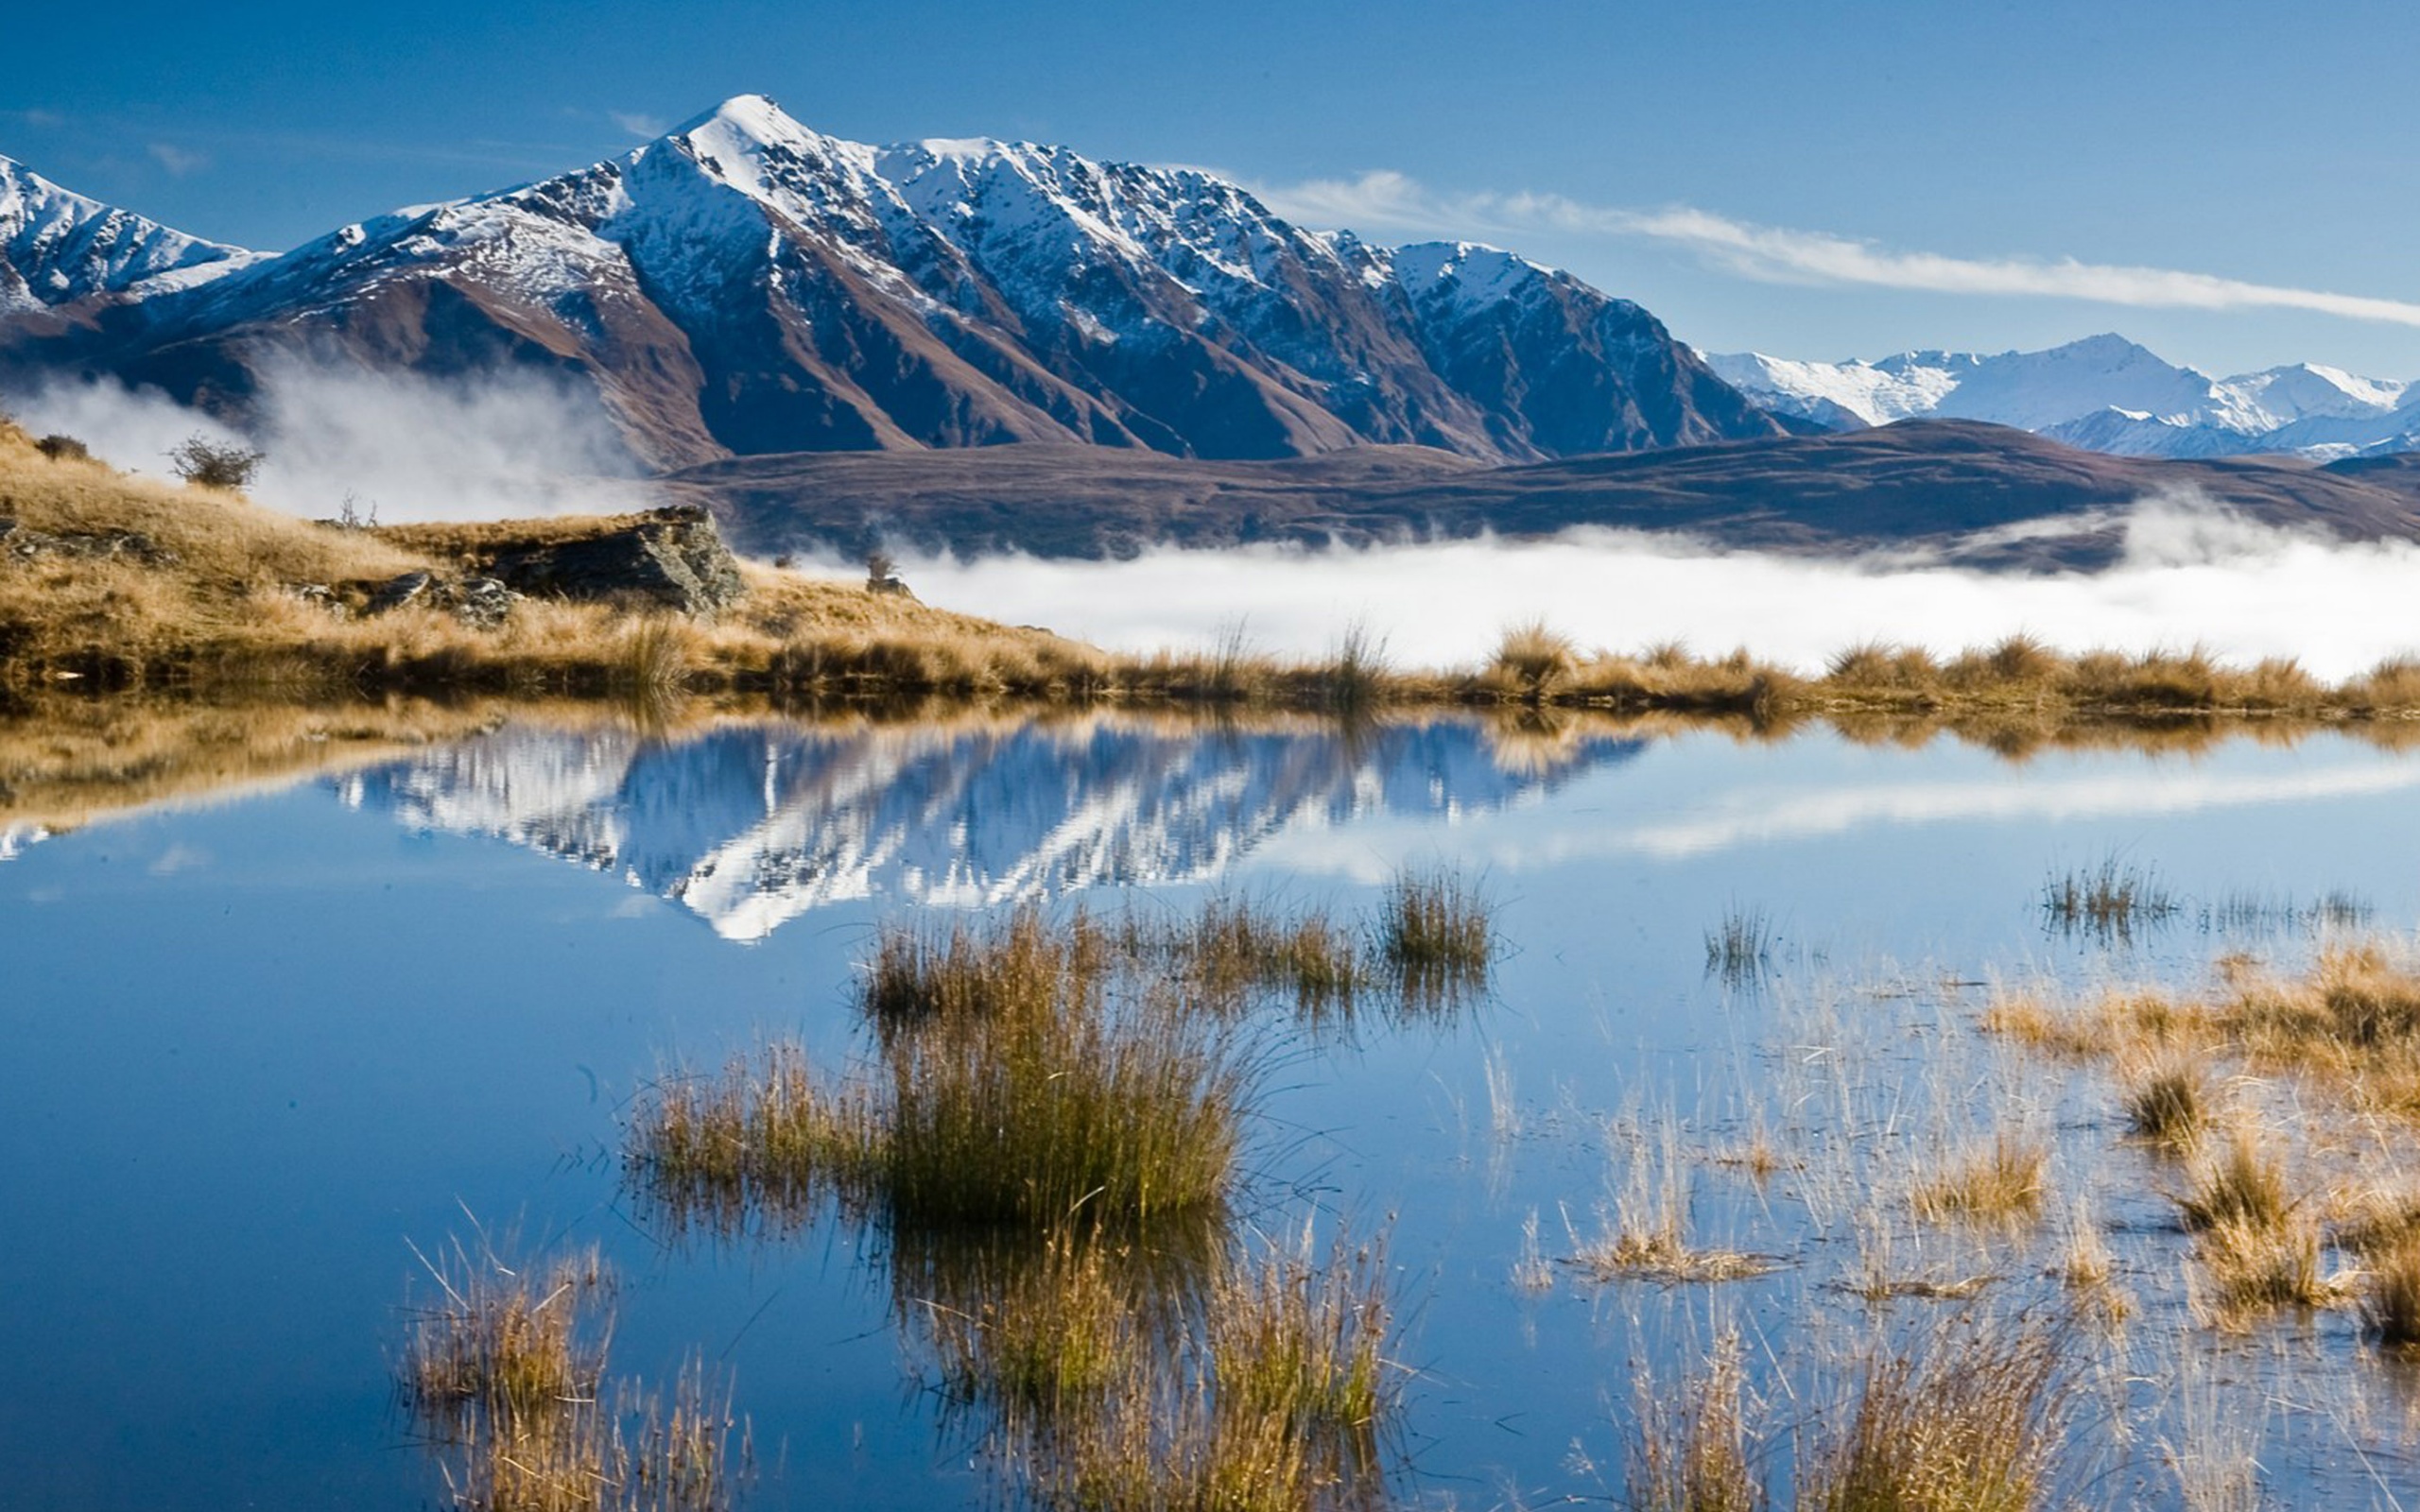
(2190, 574)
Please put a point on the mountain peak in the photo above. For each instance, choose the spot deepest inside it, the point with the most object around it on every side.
(58, 246)
(753, 117)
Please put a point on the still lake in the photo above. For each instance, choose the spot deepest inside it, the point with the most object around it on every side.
(260, 1047)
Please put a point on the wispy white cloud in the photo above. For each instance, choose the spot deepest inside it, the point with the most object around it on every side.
(179, 161)
(1386, 200)
(638, 123)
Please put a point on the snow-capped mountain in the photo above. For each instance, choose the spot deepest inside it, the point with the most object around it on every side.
(751, 826)
(745, 285)
(2104, 394)
(58, 247)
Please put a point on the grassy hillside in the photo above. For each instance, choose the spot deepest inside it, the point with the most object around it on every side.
(118, 581)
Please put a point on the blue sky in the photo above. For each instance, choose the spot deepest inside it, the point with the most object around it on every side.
(1820, 182)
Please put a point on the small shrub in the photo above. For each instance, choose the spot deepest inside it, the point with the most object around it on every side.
(210, 464)
(63, 449)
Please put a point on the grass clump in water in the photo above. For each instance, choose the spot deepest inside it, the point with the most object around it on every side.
(1233, 948)
(1692, 1452)
(1299, 1338)
(1739, 948)
(762, 1143)
(2167, 1101)
(507, 1341)
(1028, 965)
(1026, 1118)
(1436, 934)
(2002, 1183)
(1646, 1234)
(2243, 1184)
(2390, 1295)
(2108, 901)
(2250, 1268)
(2259, 1250)
(505, 1378)
(1968, 1418)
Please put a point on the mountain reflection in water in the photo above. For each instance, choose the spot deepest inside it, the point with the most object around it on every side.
(751, 825)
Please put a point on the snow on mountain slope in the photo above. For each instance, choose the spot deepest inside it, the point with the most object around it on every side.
(1843, 395)
(56, 248)
(746, 285)
(2104, 392)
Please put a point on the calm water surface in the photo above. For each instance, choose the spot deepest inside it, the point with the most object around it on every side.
(256, 1050)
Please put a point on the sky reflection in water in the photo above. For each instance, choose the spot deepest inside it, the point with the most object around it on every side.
(257, 1047)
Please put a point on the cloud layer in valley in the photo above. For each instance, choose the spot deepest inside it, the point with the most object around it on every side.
(2192, 574)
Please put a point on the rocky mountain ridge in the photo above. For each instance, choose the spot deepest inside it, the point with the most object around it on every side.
(746, 285)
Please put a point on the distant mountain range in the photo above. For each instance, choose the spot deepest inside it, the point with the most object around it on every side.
(745, 285)
(2104, 394)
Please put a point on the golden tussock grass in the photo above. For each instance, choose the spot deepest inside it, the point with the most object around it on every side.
(2003, 1182)
(505, 1378)
(1435, 933)
(1692, 1446)
(1965, 1415)
(2243, 1182)
(2132, 1021)
(1969, 1416)
(2167, 1098)
(2389, 1295)
(2250, 1268)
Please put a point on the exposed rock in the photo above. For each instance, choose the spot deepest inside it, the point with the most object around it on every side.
(319, 595)
(482, 602)
(397, 592)
(671, 557)
(16, 540)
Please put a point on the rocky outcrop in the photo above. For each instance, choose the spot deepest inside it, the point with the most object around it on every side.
(674, 558)
(23, 544)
